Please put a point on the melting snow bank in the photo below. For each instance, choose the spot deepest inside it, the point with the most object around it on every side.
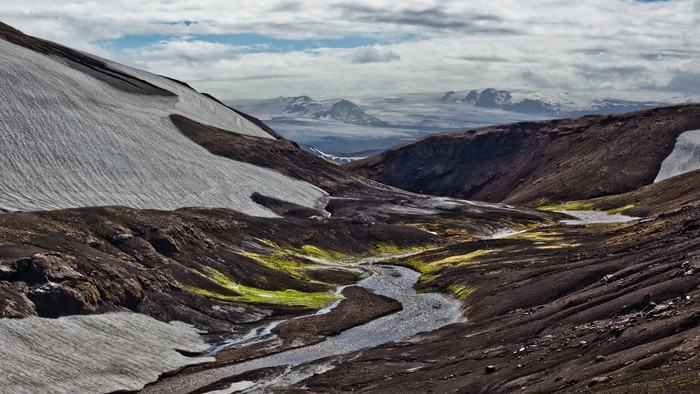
(92, 354)
(592, 217)
(684, 158)
(421, 313)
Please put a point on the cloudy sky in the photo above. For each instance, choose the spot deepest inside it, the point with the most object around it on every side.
(354, 48)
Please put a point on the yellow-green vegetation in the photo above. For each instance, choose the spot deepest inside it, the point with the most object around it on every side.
(252, 294)
(387, 249)
(568, 206)
(455, 229)
(615, 211)
(557, 246)
(268, 243)
(291, 264)
(462, 291)
(313, 251)
(305, 251)
(427, 267)
(582, 205)
(542, 235)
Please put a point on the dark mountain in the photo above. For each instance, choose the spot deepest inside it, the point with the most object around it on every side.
(536, 162)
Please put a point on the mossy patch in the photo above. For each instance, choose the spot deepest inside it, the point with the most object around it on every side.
(615, 211)
(462, 291)
(557, 246)
(427, 267)
(543, 236)
(388, 249)
(316, 252)
(255, 295)
(568, 206)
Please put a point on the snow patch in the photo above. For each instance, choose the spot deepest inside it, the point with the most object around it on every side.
(685, 156)
(69, 140)
(92, 354)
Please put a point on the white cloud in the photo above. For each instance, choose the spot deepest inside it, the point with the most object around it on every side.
(190, 51)
(597, 46)
(364, 55)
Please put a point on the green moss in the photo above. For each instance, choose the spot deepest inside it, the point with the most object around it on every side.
(252, 294)
(462, 291)
(615, 211)
(521, 226)
(268, 243)
(568, 206)
(313, 251)
(427, 267)
(284, 262)
(542, 236)
(384, 249)
(557, 246)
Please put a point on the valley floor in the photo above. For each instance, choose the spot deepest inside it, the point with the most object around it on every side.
(608, 307)
(600, 308)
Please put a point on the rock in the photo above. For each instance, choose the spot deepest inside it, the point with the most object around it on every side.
(56, 299)
(47, 267)
(162, 243)
(490, 369)
(94, 242)
(599, 380)
(6, 271)
(13, 301)
(600, 359)
(649, 307)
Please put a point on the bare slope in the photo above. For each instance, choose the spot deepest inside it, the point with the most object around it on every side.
(530, 162)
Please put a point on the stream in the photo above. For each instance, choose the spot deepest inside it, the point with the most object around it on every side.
(421, 313)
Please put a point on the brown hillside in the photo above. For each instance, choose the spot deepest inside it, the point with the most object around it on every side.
(522, 163)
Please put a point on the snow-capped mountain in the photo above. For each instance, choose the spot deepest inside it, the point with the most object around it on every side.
(543, 103)
(338, 158)
(377, 123)
(340, 110)
(82, 131)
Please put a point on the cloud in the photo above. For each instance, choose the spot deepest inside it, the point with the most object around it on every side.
(364, 55)
(684, 82)
(193, 51)
(593, 73)
(605, 46)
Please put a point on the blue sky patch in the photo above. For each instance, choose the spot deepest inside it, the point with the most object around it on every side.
(253, 42)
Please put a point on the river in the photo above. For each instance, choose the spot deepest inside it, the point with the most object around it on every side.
(421, 313)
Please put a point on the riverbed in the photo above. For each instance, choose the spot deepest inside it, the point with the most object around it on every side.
(421, 313)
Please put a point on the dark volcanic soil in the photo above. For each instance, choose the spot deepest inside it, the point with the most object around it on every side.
(610, 308)
(97, 259)
(535, 162)
(361, 305)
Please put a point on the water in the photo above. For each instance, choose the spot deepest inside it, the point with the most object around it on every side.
(421, 313)
(592, 217)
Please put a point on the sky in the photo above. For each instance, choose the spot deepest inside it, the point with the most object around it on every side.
(373, 48)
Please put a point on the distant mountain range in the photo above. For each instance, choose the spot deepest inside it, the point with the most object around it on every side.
(553, 104)
(377, 123)
(340, 110)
